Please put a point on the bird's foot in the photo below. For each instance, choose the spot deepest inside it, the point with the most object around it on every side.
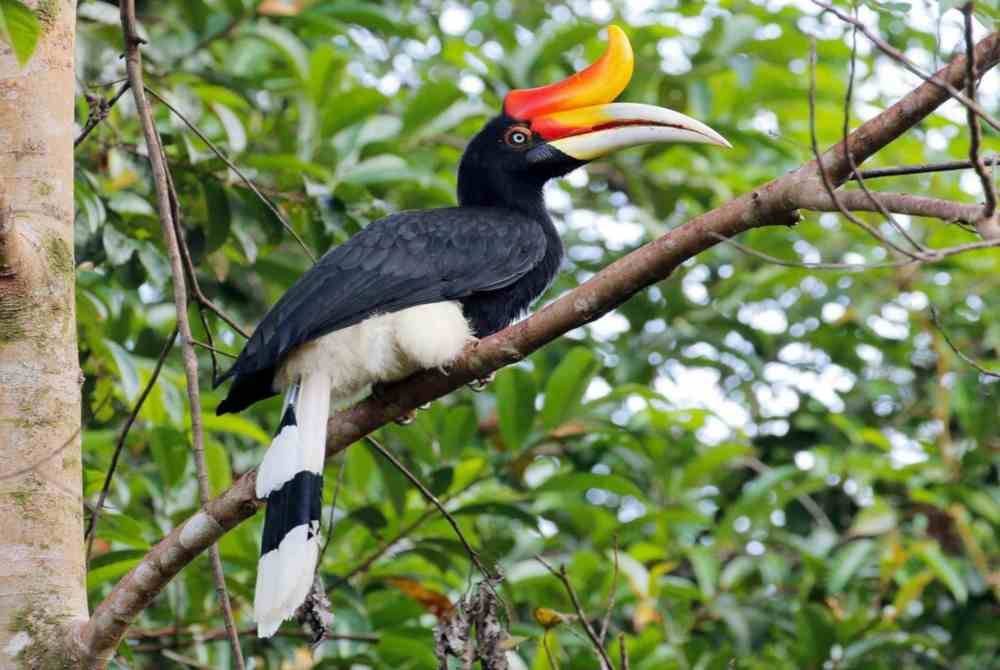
(479, 385)
(406, 418)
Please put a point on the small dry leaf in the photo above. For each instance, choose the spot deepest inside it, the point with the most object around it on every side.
(549, 618)
(434, 602)
(645, 613)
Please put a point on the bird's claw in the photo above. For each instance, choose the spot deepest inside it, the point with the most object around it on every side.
(406, 418)
(479, 385)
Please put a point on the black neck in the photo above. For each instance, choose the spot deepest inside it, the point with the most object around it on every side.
(488, 188)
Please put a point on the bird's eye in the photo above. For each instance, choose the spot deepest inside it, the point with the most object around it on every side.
(517, 136)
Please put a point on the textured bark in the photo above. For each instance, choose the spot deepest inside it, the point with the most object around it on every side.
(773, 203)
(42, 574)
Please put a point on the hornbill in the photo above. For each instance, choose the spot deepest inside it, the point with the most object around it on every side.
(409, 292)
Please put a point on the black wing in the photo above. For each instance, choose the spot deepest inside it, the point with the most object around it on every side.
(403, 260)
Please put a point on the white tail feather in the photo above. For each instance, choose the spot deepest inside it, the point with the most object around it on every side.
(285, 574)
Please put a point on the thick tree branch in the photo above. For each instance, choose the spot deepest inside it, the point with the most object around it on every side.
(771, 204)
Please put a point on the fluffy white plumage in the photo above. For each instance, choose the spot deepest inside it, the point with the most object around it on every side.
(284, 577)
(335, 369)
(382, 348)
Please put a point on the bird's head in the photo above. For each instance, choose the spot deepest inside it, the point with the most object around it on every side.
(548, 131)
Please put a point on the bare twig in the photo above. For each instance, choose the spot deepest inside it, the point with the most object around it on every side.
(901, 58)
(846, 267)
(560, 574)
(900, 203)
(828, 184)
(623, 651)
(332, 522)
(172, 637)
(232, 166)
(902, 170)
(958, 352)
(99, 110)
(989, 225)
(426, 492)
(168, 221)
(216, 350)
(122, 436)
(405, 531)
(612, 591)
(848, 99)
(548, 652)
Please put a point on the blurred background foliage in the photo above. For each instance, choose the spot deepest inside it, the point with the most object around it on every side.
(792, 467)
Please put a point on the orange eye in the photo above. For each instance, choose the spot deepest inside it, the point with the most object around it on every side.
(517, 136)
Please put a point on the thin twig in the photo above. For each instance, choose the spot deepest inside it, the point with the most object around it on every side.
(332, 522)
(99, 110)
(404, 532)
(612, 592)
(988, 226)
(169, 637)
(560, 574)
(623, 651)
(122, 436)
(161, 180)
(548, 652)
(901, 58)
(426, 492)
(848, 99)
(824, 175)
(902, 170)
(232, 166)
(958, 352)
(216, 350)
(847, 267)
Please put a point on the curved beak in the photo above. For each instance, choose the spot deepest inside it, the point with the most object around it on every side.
(591, 132)
(578, 117)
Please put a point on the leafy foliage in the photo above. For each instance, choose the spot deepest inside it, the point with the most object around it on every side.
(794, 467)
(19, 28)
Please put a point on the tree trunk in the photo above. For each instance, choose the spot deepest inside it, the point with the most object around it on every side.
(42, 571)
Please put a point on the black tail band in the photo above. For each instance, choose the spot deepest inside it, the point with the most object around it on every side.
(298, 501)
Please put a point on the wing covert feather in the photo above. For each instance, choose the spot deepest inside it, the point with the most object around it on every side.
(403, 260)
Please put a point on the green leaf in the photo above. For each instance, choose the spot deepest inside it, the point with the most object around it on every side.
(432, 99)
(945, 570)
(126, 369)
(235, 424)
(20, 28)
(515, 389)
(706, 569)
(567, 385)
(220, 473)
(579, 482)
(847, 562)
(170, 451)
(499, 509)
(816, 634)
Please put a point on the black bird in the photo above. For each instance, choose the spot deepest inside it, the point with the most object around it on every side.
(411, 290)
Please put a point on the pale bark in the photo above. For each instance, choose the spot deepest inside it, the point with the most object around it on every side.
(42, 573)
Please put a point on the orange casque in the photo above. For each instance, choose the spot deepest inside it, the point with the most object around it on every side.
(572, 106)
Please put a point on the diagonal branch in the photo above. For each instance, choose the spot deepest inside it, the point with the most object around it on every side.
(770, 204)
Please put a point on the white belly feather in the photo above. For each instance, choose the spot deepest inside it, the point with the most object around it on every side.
(383, 348)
